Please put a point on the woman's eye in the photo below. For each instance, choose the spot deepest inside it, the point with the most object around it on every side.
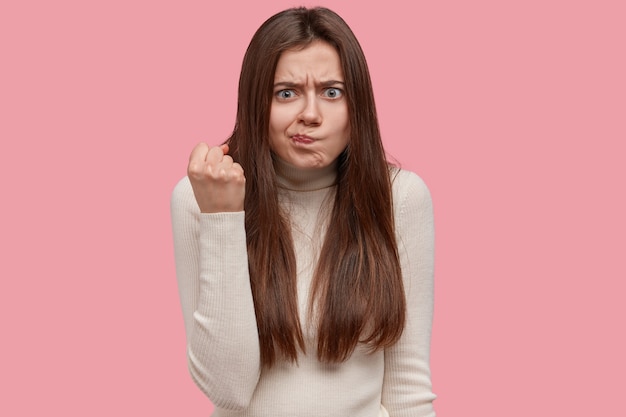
(333, 92)
(285, 94)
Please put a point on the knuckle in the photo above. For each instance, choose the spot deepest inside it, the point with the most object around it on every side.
(193, 168)
(222, 175)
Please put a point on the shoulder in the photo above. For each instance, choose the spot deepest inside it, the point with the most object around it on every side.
(182, 187)
(409, 190)
(182, 197)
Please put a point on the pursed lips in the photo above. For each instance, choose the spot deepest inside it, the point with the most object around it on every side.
(302, 138)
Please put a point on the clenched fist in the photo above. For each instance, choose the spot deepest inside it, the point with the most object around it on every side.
(218, 182)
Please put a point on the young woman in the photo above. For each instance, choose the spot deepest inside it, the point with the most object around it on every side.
(304, 259)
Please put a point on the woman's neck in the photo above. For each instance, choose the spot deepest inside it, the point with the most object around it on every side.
(301, 179)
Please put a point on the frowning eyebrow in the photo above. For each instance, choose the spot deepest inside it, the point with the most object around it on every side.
(289, 84)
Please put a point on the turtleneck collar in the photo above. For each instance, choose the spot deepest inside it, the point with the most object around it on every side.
(298, 179)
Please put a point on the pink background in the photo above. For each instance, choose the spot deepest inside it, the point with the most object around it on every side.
(514, 112)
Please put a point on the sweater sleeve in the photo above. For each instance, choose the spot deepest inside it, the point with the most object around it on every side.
(407, 388)
(218, 311)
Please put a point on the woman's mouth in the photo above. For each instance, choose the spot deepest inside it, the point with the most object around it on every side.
(303, 139)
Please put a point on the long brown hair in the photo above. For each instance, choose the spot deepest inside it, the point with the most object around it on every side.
(357, 289)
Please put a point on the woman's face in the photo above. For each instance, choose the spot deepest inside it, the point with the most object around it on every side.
(309, 124)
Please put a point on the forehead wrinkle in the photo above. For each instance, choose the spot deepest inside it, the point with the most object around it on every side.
(307, 69)
(295, 81)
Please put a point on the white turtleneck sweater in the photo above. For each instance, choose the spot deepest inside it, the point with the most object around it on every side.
(218, 311)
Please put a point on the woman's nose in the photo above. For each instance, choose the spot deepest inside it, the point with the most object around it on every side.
(311, 114)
